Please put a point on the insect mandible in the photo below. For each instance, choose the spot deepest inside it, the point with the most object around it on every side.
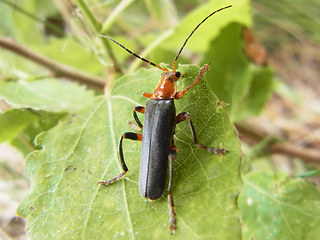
(158, 147)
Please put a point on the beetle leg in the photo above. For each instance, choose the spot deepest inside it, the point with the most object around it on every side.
(203, 70)
(147, 95)
(129, 135)
(135, 110)
(172, 213)
(185, 115)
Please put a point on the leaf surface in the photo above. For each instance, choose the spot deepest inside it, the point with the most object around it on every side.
(69, 52)
(49, 95)
(14, 121)
(65, 201)
(201, 39)
(278, 207)
(239, 12)
(245, 87)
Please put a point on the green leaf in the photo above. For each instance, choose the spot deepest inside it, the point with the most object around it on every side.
(279, 207)
(14, 121)
(234, 80)
(48, 95)
(29, 15)
(260, 90)
(8, 26)
(69, 52)
(45, 121)
(239, 12)
(21, 126)
(230, 79)
(200, 41)
(65, 201)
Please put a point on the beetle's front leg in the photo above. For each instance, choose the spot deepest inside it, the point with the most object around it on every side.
(128, 135)
(135, 110)
(185, 115)
(203, 70)
(172, 213)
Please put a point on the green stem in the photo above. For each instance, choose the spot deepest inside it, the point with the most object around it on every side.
(115, 13)
(33, 17)
(97, 29)
(310, 174)
(89, 15)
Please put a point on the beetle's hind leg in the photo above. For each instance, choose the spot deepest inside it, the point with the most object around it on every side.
(185, 115)
(172, 213)
(128, 135)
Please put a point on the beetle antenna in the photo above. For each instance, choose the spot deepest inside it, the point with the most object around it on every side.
(134, 54)
(185, 42)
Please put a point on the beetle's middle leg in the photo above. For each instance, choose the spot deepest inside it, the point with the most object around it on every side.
(172, 213)
(128, 135)
(185, 115)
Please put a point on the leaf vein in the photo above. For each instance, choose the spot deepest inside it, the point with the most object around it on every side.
(115, 152)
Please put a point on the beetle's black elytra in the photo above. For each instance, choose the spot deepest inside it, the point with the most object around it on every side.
(158, 150)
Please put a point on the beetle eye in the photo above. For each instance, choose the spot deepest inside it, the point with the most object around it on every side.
(178, 74)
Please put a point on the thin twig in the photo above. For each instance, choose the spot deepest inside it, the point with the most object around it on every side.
(309, 155)
(56, 68)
